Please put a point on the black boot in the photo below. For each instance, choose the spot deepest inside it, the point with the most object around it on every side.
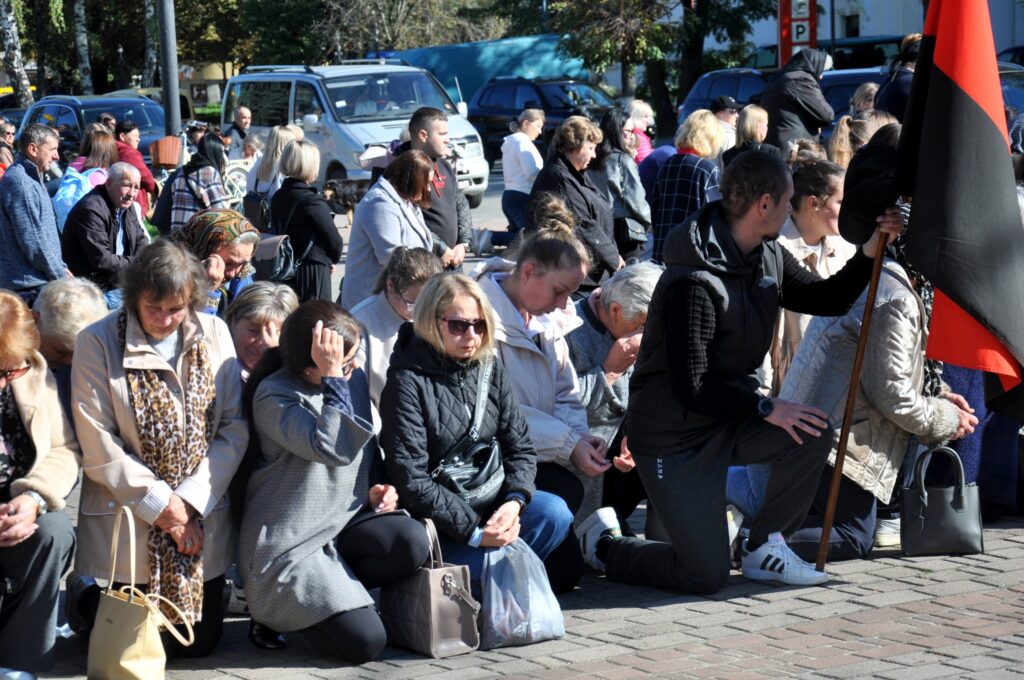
(265, 637)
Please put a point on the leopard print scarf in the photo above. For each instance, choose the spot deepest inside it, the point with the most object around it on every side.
(172, 453)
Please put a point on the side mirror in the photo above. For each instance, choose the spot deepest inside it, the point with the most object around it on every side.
(463, 109)
(311, 122)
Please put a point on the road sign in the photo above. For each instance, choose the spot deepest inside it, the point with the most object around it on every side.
(798, 27)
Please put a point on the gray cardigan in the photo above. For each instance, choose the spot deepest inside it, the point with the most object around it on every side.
(310, 480)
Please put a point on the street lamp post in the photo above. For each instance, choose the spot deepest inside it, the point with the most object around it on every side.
(169, 66)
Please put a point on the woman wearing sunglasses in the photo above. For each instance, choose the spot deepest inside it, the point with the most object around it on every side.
(394, 300)
(38, 468)
(431, 389)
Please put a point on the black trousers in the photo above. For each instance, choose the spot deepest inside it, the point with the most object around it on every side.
(381, 550)
(208, 630)
(565, 564)
(688, 491)
(32, 570)
(313, 282)
(853, 527)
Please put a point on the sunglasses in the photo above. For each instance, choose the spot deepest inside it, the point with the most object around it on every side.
(462, 326)
(13, 373)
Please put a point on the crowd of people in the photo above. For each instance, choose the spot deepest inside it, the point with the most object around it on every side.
(673, 324)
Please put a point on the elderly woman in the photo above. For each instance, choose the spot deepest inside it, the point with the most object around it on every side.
(200, 183)
(688, 180)
(224, 242)
(603, 350)
(751, 129)
(299, 210)
(395, 294)
(642, 116)
(390, 215)
(572, 149)
(7, 132)
(158, 408)
(318, 529)
(38, 468)
(254, 318)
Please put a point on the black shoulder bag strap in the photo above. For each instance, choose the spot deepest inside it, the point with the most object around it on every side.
(284, 232)
(483, 387)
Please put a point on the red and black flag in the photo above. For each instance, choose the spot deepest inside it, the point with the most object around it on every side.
(965, 234)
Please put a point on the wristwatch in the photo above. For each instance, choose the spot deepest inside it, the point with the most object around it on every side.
(765, 407)
(43, 505)
(522, 503)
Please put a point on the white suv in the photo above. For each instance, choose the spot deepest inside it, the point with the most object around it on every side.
(348, 108)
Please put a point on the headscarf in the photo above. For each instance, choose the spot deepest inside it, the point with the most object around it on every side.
(210, 230)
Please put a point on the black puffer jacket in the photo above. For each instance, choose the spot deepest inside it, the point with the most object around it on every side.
(426, 408)
(794, 101)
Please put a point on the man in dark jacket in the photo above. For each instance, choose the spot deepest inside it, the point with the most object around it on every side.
(103, 233)
(448, 217)
(796, 106)
(694, 408)
(892, 96)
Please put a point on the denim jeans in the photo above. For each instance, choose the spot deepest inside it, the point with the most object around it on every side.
(745, 487)
(544, 525)
(516, 206)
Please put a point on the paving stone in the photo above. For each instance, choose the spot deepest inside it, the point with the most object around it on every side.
(926, 672)
(862, 669)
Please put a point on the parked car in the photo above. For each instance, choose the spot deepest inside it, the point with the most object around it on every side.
(1012, 55)
(501, 100)
(156, 94)
(745, 85)
(347, 108)
(13, 116)
(1011, 81)
(69, 116)
(849, 53)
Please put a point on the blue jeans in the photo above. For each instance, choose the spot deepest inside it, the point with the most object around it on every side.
(745, 487)
(516, 206)
(543, 525)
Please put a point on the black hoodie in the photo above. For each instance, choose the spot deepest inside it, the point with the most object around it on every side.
(710, 325)
(426, 408)
(794, 101)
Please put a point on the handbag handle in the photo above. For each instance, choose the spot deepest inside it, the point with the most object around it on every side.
(123, 511)
(921, 469)
(436, 558)
(483, 387)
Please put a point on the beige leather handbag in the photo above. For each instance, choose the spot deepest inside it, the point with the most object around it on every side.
(125, 641)
(432, 612)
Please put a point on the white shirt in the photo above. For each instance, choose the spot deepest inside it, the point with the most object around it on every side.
(520, 162)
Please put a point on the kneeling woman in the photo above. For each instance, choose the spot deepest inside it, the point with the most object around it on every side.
(311, 544)
(430, 392)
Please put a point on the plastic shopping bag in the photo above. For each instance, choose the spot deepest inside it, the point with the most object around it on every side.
(519, 606)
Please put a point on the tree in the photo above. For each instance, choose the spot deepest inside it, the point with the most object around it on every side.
(14, 65)
(149, 29)
(605, 32)
(82, 47)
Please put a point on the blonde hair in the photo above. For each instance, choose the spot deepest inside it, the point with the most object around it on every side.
(437, 296)
(848, 136)
(19, 337)
(865, 93)
(573, 133)
(527, 116)
(806, 149)
(280, 135)
(746, 127)
(639, 111)
(300, 160)
(66, 306)
(701, 132)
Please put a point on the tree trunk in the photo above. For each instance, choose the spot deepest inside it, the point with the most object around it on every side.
(14, 65)
(82, 47)
(628, 72)
(149, 64)
(661, 100)
(41, 10)
(691, 48)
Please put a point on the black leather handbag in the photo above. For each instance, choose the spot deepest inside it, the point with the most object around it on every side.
(274, 259)
(940, 520)
(473, 468)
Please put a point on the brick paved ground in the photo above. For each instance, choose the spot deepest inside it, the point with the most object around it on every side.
(887, 617)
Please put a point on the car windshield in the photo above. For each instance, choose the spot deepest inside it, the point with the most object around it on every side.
(571, 95)
(1013, 90)
(148, 116)
(386, 95)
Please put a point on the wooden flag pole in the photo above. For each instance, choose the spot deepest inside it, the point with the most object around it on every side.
(851, 400)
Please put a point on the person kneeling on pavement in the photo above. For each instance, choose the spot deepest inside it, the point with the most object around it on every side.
(694, 408)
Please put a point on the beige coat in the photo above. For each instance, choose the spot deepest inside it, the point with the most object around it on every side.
(792, 325)
(55, 470)
(542, 376)
(107, 431)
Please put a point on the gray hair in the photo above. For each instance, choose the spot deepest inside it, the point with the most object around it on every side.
(120, 169)
(66, 306)
(632, 288)
(36, 133)
(164, 269)
(261, 302)
(246, 238)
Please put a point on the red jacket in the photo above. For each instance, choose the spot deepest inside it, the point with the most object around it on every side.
(126, 154)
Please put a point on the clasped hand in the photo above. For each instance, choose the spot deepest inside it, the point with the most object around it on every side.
(503, 526)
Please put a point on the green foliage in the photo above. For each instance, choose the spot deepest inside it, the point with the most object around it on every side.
(606, 32)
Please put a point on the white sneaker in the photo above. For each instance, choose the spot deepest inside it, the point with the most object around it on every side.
(734, 518)
(887, 533)
(237, 604)
(604, 522)
(775, 561)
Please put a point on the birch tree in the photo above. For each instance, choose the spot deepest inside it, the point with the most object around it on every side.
(149, 58)
(14, 65)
